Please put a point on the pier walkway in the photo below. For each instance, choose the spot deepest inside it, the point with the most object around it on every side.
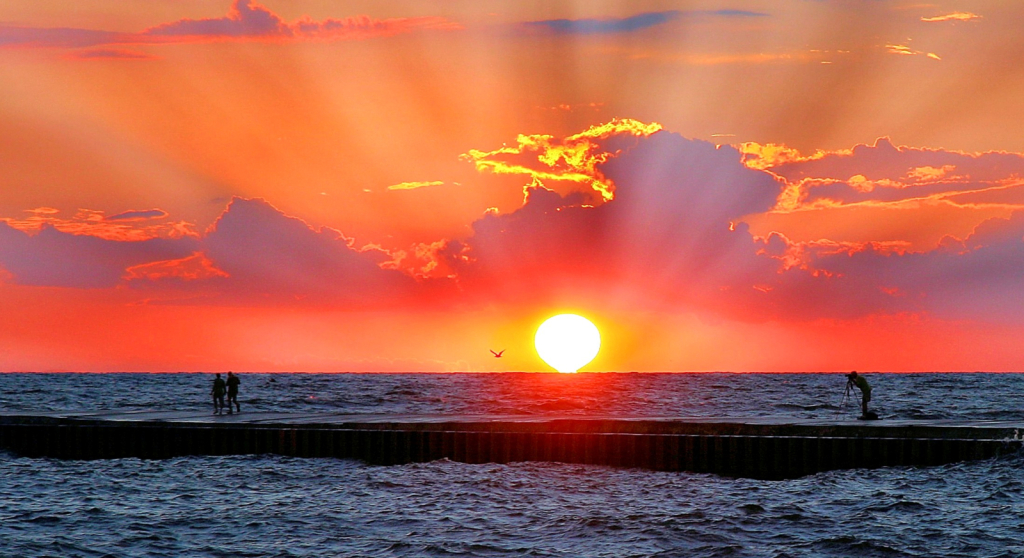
(753, 447)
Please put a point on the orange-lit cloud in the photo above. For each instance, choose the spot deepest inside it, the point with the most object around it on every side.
(730, 58)
(765, 156)
(111, 54)
(671, 235)
(672, 238)
(670, 227)
(246, 20)
(566, 107)
(955, 16)
(52, 257)
(904, 50)
(573, 159)
(191, 268)
(415, 185)
(128, 128)
(249, 20)
(930, 174)
(127, 226)
(882, 172)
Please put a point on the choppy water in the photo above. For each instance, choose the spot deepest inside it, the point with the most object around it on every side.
(278, 506)
(906, 396)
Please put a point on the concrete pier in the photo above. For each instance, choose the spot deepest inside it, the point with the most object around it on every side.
(757, 448)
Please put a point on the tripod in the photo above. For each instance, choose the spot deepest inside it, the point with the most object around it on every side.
(842, 403)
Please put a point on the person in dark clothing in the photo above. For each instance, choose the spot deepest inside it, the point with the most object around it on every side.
(854, 379)
(218, 394)
(232, 384)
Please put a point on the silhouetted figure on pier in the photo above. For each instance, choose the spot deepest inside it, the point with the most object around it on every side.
(860, 382)
(218, 394)
(233, 382)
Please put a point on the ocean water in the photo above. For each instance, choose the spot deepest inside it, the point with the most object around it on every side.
(279, 506)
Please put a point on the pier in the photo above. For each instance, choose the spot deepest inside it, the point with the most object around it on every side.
(756, 447)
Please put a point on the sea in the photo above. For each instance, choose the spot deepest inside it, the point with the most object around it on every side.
(275, 506)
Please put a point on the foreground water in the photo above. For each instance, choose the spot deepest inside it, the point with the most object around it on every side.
(276, 506)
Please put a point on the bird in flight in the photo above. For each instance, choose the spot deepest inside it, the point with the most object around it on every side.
(497, 354)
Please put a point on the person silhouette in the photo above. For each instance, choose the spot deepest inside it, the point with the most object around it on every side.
(232, 384)
(218, 394)
(855, 380)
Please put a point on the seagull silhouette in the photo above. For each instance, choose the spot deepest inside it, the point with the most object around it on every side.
(497, 354)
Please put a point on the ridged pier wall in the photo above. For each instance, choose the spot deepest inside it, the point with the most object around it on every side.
(740, 449)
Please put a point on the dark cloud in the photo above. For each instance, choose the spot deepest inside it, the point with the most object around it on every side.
(57, 37)
(883, 160)
(111, 54)
(137, 215)
(885, 173)
(252, 254)
(245, 19)
(603, 26)
(856, 191)
(607, 26)
(669, 232)
(981, 277)
(267, 253)
(57, 259)
(671, 240)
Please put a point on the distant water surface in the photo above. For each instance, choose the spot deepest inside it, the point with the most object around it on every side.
(286, 507)
(904, 396)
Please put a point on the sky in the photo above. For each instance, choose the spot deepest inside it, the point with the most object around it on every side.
(313, 185)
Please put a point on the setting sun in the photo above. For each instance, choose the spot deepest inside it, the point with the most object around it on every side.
(567, 342)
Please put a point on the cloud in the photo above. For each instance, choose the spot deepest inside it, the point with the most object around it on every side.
(904, 50)
(883, 172)
(955, 16)
(136, 215)
(58, 259)
(668, 235)
(111, 54)
(12, 36)
(603, 26)
(246, 20)
(126, 226)
(608, 26)
(978, 278)
(414, 185)
(252, 254)
(882, 159)
(566, 107)
(195, 267)
(573, 159)
(266, 253)
(671, 239)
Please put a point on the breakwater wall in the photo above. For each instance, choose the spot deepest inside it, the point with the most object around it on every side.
(741, 449)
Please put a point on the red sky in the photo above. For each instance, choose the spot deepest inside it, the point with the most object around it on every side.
(371, 186)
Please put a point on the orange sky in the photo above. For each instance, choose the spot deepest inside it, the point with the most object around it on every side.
(313, 185)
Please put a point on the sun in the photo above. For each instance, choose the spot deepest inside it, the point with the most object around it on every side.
(567, 342)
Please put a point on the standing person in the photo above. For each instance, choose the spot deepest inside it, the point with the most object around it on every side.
(218, 394)
(233, 382)
(854, 379)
